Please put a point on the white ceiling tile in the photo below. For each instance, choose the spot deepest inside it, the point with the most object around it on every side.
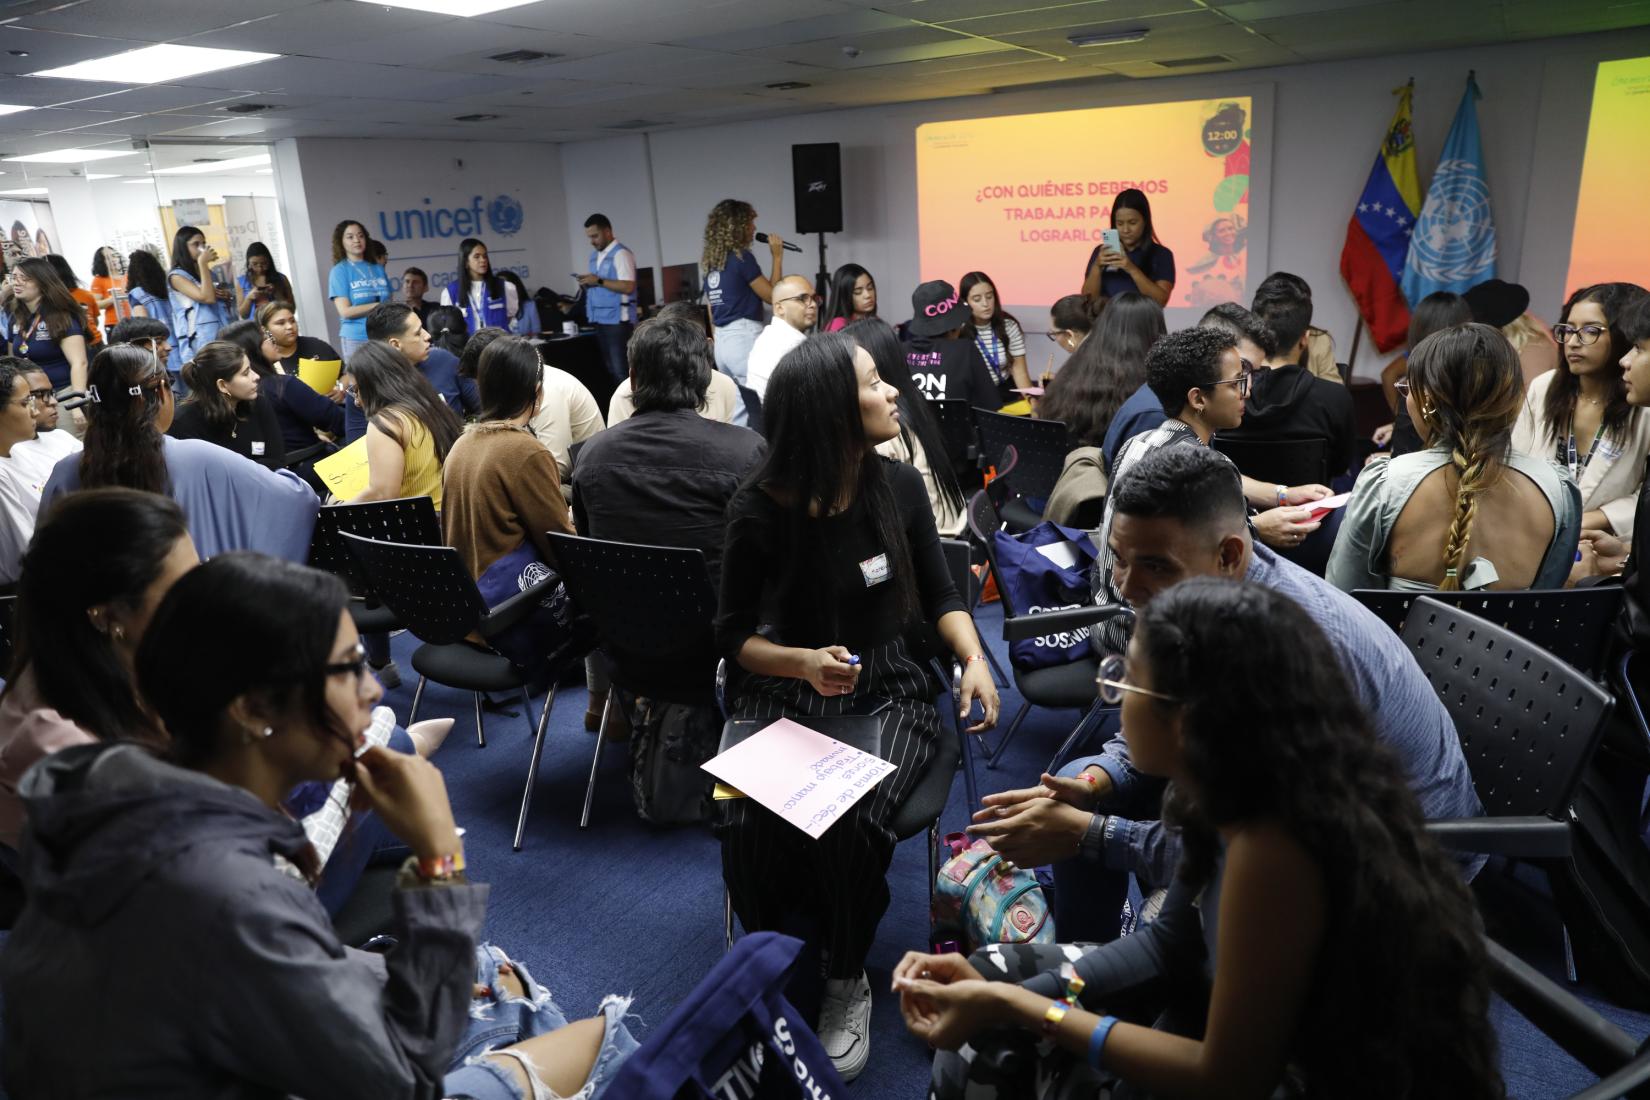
(50, 49)
(155, 20)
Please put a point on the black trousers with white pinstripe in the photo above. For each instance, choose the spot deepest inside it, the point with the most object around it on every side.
(773, 869)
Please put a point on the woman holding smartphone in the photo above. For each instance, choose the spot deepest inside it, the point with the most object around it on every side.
(261, 284)
(196, 310)
(1130, 257)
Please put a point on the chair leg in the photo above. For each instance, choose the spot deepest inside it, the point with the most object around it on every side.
(965, 760)
(481, 734)
(933, 872)
(727, 917)
(595, 759)
(533, 762)
(1013, 728)
(418, 697)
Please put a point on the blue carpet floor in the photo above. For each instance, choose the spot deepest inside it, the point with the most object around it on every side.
(627, 907)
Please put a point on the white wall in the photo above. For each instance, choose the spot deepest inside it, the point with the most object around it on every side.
(1327, 121)
(324, 180)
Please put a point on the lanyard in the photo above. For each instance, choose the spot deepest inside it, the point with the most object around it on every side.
(26, 332)
(1578, 466)
(990, 355)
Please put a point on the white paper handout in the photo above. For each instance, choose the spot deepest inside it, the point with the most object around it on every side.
(806, 778)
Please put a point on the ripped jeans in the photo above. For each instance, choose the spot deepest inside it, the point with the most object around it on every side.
(499, 1019)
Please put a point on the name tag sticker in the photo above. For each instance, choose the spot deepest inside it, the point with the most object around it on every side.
(257, 446)
(875, 569)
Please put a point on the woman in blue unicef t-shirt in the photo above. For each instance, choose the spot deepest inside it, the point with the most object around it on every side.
(734, 286)
(355, 286)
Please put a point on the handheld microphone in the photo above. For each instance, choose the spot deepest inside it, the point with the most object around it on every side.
(762, 238)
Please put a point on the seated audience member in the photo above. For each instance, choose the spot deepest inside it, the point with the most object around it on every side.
(1178, 513)
(1579, 415)
(224, 407)
(944, 366)
(1506, 306)
(1319, 358)
(1198, 376)
(409, 428)
(1434, 313)
(525, 321)
(415, 283)
(91, 581)
(833, 549)
(232, 504)
(287, 351)
(795, 309)
(1071, 319)
(919, 441)
(568, 414)
(445, 324)
(1311, 931)
(1605, 553)
(996, 334)
(501, 493)
(299, 411)
(20, 482)
(253, 668)
(1287, 401)
(853, 297)
(664, 475)
(48, 433)
(722, 399)
(398, 326)
(1469, 511)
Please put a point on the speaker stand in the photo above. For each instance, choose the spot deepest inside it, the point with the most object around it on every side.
(824, 283)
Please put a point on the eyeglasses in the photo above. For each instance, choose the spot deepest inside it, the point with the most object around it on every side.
(1584, 334)
(1054, 336)
(28, 401)
(1113, 686)
(1243, 381)
(44, 396)
(356, 666)
(1402, 388)
(794, 298)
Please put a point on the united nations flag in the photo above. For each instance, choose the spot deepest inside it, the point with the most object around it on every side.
(1453, 245)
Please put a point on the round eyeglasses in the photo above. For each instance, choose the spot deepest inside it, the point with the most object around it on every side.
(1113, 686)
(1584, 334)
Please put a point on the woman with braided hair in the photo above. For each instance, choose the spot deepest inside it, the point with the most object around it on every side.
(1469, 511)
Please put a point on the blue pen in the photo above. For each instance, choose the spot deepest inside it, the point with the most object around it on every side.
(853, 658)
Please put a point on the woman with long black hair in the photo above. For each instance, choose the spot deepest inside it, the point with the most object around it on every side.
(853, 298)
(199, 308)
(261, 284)
(410, 428)
(1142, 263)
(299, 411)
(224, 405)
(831, 549)
(1314, 937)
(149, 296)
(1106, 369)
(997, 334)
(45, 325)
(920, 441)
(487, 300)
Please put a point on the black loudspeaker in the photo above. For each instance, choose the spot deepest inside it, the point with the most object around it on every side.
(816, 179)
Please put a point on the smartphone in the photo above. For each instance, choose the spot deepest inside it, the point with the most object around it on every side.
(1111, 240)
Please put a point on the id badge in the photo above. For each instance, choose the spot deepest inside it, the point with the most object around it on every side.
(258, 447)
(875, 570)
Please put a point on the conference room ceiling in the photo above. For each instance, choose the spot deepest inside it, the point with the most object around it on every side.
(354, 69)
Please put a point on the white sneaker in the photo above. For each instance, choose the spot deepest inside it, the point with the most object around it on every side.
(845, 1024)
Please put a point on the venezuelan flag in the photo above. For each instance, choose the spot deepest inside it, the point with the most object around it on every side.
(1377, 237)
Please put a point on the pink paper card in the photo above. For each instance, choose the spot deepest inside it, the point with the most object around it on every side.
(803, 776)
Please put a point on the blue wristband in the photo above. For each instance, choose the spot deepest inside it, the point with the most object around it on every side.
(1097, 1039)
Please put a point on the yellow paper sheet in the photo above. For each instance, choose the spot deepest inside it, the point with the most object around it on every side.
(319, 375)
(345, 473)
(722, 792)
(1016, 408)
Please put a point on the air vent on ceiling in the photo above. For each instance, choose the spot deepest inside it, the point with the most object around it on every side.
(249, 108)
(1194, 62)
(787, 86)
(205, 160)
(522, 57)
(475, 118)
(634, 124)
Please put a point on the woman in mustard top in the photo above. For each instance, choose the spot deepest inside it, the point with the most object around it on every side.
(410, 429)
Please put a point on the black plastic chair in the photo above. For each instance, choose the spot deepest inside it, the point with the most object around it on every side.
(956, 421)
(652, 608)
(408, 520)
(1042, 446)
(959, 562)
(1528, 722)
(430, 590)
(1067, 686)
(1279, 461)
(8, 633)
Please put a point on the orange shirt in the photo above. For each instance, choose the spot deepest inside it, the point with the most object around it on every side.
(88, 302)
(104, 286)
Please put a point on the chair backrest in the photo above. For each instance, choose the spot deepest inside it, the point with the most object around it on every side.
(408, 520)
(959, 562)
(1042, 444)
(1280, 461)
(1573, 624)
(427, 587)
(983, 524)
(956, 421)
(8, 633)
(753, 409)
(652, 608)
(1001, 486)
(1528, 722)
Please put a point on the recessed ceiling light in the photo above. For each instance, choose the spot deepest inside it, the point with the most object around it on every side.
(72, 156)
(214, 166)
(155, 64)
(100, 176)
(13, 108)
(140, 179)
(462, 8)
(25, 191)
(1108, 38)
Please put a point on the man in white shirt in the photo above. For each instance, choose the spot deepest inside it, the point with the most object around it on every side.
(25, 463)
(795, 309)
(610, 293)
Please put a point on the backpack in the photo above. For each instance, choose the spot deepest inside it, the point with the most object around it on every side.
(668, 742)
(735, 1037)
(982, 902)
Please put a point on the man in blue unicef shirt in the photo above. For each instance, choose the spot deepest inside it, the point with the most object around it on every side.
(610, 293)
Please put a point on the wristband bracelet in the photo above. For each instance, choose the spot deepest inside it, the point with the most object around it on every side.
(1051, 1019)
(1283, 495)
(1097, 1039)
(441, 867)
(971, 658)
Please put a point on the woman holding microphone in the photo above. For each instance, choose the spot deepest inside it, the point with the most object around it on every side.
(734, 284)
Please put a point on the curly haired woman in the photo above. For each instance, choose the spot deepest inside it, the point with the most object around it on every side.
(734, 284)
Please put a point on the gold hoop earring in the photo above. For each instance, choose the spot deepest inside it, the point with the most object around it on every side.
(118, 631)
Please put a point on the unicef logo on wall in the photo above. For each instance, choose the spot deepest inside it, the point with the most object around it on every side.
(1454, 240)
(505, 215)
